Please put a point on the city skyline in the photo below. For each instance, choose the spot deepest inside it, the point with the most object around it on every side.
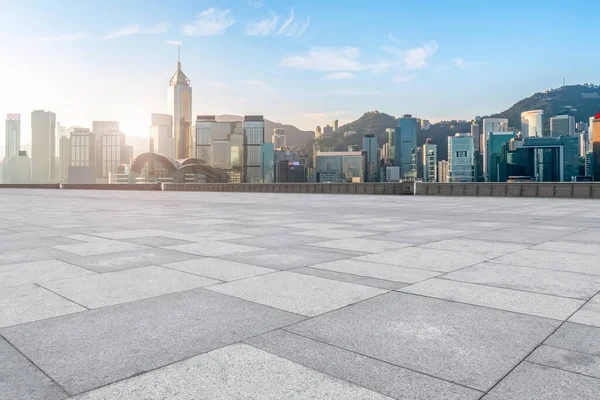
(300, 66)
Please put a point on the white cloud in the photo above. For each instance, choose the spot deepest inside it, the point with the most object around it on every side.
(211, 22)
(135, 29)
(339, 76)
(263, 27)
(462, 64)
(65, 38)
(287, 23)
(413, 58)
(326, 59)
(357, 92)
(256, 3)
(404, 78)
(173, 42)
(267, 26)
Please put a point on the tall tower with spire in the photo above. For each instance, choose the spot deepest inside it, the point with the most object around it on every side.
(180, 107)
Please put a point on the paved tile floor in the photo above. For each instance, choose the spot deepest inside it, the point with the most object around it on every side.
(163, 295)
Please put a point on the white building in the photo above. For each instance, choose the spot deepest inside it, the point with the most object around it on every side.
(221, 154)
(43, 146)
(461, 166)
(490, 125)
(279, 138)
(429, 164)
(180, 107)
(110, 143)
(161, 133)
(425, 124)
(208, 130)
(532, 123)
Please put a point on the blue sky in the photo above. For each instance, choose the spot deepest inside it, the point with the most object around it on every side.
(304, 63)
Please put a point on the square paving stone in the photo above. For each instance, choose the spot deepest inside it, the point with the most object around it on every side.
(570, 247)
(557, 283)
(334, 233)
(300, 294)
(362, 245)
(99, 247)
(38, 271)
(568, 360)
(87, 350)
(20, 379)
(276, 241)
(576, 337)
(537, 304)
(132, 234)
(587, 236)
(35, 254)
(236, 372)
(532, 381)
(222, 270)
(127, 260)
(158, 241)
(589, 314)
(428, 259)
(350, 278)
(469, 345)
(213, 249)
(484, 248)
(103, 290)
(316, 225)
(289, 258)
(21, 304)
(379, 376)
(570, 262)
(379, 271)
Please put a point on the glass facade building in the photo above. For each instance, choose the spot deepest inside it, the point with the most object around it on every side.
(494, 148)
(595, 147)
(405, 146)
(180, 108)
(562, 125)
(82, 148)
(254, 137)
(490, 125)
(371, 150)
(111, 153)
(43, 146)
(430, 163)
(532, 123)
(461, 166)
(161, 130)
(340, 166)
(267, 162)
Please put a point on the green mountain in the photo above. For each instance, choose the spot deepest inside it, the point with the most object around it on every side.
(581, 101)
(294, 136)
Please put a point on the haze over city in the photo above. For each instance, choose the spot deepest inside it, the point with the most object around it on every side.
(299, 63)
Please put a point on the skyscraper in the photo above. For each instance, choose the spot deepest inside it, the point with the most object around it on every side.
(429, 162)
(100, 128)
(596, 146)
(180, 107)
(460, 158)
(43, 146)
(371, 149)
(405, 146)
(562, 125)
(161, 130)
(490, 125)
(318, 132)
(532, 123)
(209, 131)
(336, 125)
(13, 136)
(279, 138)
(254, 137)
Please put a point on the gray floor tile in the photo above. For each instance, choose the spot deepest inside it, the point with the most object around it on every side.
(537, 304)
(567, 360)
(428, 259)
(350, 278)
(379, 271)
(334, 233)
(532, 381)
(484, 248)
(20, 379)
(236, 372)
(570, 262)
(577, 337)
(222, 270)
(388, 379)
(213, 249)
(289, 258)
(157, 241)
(34, 254)
(311, 226)
(87, 350)
(557, 283)
(280, 240)
(99, 247)
(38, 271)
(589, 314)
(300, 294)
(570, 247)
(103, 290)
(132, 234)
(586, 236)
(361, 244)
(21, 304)
(465, 344)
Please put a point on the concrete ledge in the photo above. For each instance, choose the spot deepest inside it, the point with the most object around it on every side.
(514, 190)
(141, 186)
(564, 190)
(30, 186)
(529, 189)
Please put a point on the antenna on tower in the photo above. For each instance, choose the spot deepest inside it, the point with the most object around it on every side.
(178, 53)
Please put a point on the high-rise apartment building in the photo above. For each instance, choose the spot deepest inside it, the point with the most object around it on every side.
(279, 138)
(12, 142)
(83, 154)
(490, 125)
(371, 150)
(254, 137)
(336, 125)
(180, 108)
(532, 123)
(328, 130)
(161, 131)
(391, 140)
(425, 125)
(562, 125)
(429, 161)
(100, 128)
(318, 132)
(208, 132)
(406, 146)
(596, 146)
(110, 160)
(64, 158)
(443, 171)
(43, 146)
(494, 148)
(461, 166)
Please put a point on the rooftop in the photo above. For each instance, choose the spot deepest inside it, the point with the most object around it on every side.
(186, 295)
